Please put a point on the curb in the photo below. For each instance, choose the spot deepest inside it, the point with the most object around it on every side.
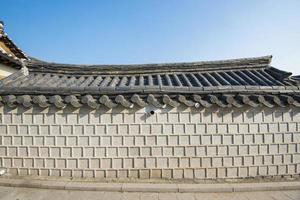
(150, 187)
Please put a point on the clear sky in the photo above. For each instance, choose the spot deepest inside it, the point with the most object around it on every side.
(153, 31)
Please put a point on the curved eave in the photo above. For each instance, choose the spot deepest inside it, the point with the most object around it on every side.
(148, 90)
(12, 46)
(137, 101)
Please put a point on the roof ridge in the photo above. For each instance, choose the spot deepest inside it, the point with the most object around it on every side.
(254, 62)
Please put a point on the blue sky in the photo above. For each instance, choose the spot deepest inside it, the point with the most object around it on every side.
(153, 31)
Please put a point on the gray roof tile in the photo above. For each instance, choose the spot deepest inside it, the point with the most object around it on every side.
(215, 76)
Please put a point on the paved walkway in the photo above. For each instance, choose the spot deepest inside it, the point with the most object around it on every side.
(30, 182)
(12, 193)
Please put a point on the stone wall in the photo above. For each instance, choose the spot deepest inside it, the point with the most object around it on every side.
(171, 143)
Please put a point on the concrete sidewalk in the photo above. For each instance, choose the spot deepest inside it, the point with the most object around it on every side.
(149, 187)
(10, 193)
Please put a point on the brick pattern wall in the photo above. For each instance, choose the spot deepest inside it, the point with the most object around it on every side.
(172, 144)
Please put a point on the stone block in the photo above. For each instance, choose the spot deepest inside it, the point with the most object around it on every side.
(106, 141)
(258, 160)
(18, 162)
(65, 152)
(217, 162)
(8, 140)
(173, 162)
(100, 130)
(39, 163)
(3, 129)
(95, 141)
(173, 140)
(145, 129)
(139, 163)
(156, 151)
(129, 118)
(206, 162)
(211, 173)
(234, 128)
(206, 139)
(33, 130)
(268, 160)
(134, 151)
(106, 163)
(173, 117)
(200, 173)
(248, 139)
(248, 161)
(222, 150)
(151, 140)
(238, 161)
(273, 149)
(243, 150)
(179, 128)
(123, 151)
(178, 173)
(254, 149)
(28, 141)
(150, 163)
(252, 171)
(128, 163)
(112, 129)
(49, 141)
(111, 152)
(283, 148)
(117, 163)
(233, 150)
(232, 172)
(44, 130)
(61, 140)
(138, 140)
(263, 170)
(133, 129)
(221, 173)
(211, 150)
(201, 128)
(184, 163)
(72, 164)
(156, 128)
(83, 141)
(190, 128)
(49, 163)
(222, 128)
(60, 163)
(144, 174)
(228, 161)
(272, 170)
(162, 140)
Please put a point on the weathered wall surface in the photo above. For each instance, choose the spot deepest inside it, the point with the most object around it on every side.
(173, 144)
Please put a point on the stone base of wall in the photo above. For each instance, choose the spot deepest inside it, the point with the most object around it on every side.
(167, 174)
(179, 143)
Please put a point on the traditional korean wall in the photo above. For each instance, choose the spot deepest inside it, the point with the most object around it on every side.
(172, 144)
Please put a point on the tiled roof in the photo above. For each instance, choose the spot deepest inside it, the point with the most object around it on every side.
(18, 53)
(229, 83)
(253, 74)
(15, 56)
(161, 101)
